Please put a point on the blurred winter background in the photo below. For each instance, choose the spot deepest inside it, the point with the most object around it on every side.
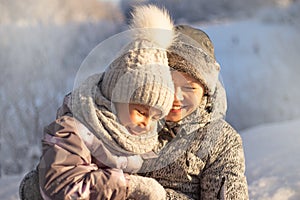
(43, 43)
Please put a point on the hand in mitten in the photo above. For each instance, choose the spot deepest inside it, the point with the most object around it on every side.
(145, 188)
(134, 164)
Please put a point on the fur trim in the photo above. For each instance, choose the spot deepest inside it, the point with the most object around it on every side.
(153, 24)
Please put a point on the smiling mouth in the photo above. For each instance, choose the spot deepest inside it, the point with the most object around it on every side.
(176, 108)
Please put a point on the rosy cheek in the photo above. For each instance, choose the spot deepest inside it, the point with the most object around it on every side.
(135, 119)
(194, 100)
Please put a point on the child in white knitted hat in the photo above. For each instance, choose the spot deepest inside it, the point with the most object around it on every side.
(109, 121)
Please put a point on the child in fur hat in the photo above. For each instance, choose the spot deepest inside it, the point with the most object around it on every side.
(106, 124)
(201, 155)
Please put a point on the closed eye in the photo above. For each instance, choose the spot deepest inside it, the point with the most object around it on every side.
(141, 112)
(188, 88)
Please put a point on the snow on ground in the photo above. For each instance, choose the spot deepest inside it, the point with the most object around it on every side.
(272, 160)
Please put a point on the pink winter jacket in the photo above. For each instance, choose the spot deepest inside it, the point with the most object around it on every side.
(68, 171)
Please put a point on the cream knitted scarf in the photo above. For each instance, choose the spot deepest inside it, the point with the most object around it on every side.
(93, 110)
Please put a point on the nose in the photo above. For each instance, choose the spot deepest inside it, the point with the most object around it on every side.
(146, 124)
(178, 94)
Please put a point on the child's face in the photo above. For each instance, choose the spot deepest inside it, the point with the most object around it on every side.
(188, 95)
(138, 119)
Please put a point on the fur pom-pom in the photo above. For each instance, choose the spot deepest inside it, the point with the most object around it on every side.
(153, 24)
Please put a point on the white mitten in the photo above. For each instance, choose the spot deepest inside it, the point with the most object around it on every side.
(145, 188)
(134, 164)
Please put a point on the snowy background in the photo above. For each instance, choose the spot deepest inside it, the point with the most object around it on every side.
(258, 53)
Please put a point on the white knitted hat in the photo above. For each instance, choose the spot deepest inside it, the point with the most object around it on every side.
(141, 74)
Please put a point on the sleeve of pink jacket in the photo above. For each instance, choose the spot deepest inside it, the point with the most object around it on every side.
(67, 170)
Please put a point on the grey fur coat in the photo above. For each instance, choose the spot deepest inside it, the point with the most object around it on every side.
(201, 157)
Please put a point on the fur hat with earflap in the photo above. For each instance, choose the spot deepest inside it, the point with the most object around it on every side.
(193, 53)
(141, 74)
